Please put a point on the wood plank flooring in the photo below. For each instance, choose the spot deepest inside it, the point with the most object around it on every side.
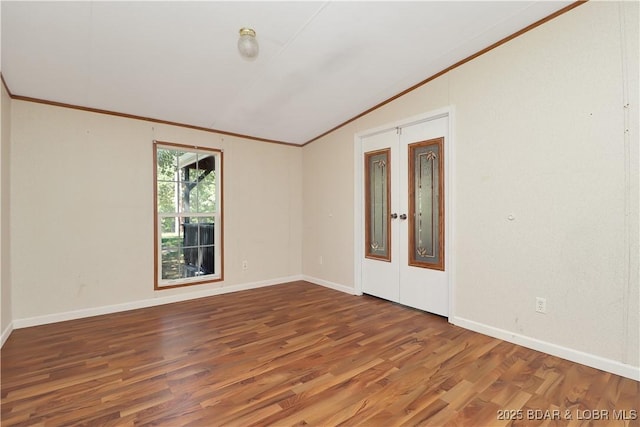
(294, 354)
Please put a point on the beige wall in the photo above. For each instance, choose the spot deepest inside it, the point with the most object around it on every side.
(5, 231)
(539, 134)
(82, 209)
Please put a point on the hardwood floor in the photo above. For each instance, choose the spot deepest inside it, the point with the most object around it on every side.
(294, 354)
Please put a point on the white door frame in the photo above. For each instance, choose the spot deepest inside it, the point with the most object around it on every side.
(358, 220)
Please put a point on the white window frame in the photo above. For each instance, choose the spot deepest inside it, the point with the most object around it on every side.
(159, 282)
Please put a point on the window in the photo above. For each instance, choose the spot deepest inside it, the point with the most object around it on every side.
(188, 215)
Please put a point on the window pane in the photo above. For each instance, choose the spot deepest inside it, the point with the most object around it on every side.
(204, 219)
(189, 251)
(188, 174)
(206, 189)
(167, 197)
(167, 164)
(172, 264)
(171, 239)
(199, 246)
(207, 247)
(189, 200)
(169, 226)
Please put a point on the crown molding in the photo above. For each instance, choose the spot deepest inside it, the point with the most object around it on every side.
(143, 118)
(4, 83)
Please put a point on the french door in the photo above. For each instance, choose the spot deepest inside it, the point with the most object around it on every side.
(404, 216)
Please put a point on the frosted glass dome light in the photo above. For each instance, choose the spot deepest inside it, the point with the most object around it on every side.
(247, 43)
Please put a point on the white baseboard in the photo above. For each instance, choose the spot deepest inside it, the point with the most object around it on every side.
(327, 284)
(6, 333)
(577, 356)
(133, 305)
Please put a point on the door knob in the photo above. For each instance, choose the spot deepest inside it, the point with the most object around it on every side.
(394, 215)
(403, 216)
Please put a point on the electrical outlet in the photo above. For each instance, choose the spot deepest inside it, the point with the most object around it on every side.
(541, 305)
(245, 264)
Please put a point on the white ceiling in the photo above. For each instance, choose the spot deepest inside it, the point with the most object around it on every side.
(320, 63)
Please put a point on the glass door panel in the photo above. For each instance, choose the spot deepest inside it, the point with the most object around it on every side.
(377, 205)
(426, 204)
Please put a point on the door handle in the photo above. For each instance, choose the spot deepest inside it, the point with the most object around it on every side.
(394, 215)
(403, 216)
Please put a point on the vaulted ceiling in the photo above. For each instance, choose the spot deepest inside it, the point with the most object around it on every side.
(320, 63)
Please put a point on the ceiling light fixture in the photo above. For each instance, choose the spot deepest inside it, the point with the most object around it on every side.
(247, 43)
